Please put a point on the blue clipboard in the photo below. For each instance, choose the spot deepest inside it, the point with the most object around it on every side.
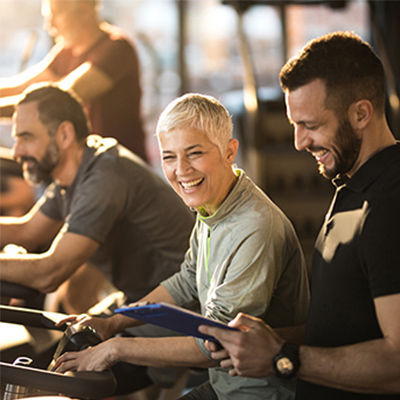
(172, 317)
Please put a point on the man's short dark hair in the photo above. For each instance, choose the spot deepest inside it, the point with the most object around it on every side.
(346, 64)
(56, 106)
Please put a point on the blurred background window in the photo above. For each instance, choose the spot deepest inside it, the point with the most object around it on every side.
(211, 50)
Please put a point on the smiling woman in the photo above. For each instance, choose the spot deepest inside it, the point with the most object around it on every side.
(243, 255)
(198, 153)
(194, 166)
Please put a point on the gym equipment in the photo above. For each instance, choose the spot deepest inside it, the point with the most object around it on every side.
(26, 380)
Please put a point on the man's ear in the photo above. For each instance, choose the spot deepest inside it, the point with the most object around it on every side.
(231, 151)
(360, 114)
(65, 134)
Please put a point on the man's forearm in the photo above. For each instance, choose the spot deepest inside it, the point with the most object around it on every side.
(13, 86)
(27, 269)
(7, 105)
(11, 231)
(368, 367)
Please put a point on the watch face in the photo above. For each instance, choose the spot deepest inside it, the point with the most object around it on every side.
(284, 366)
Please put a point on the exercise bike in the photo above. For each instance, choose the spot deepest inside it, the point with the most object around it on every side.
(22, 378)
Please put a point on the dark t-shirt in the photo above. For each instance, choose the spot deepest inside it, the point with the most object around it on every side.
(142, 226)
(117, 112)
(356, 260)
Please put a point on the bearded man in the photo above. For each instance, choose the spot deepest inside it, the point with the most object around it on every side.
(335, 100)
(104, 205)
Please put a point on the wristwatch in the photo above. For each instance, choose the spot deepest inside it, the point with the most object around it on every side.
(287, 362)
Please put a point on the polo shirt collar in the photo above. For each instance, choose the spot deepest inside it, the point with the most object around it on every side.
(370, 170)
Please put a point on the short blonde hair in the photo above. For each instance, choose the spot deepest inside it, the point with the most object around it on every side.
(205, 113)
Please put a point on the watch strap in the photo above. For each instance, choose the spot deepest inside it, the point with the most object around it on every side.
(287, 362)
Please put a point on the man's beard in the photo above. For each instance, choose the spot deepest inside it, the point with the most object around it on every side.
(347, 149)
(40, 172)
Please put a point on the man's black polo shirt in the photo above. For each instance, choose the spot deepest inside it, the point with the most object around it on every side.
(356, 259)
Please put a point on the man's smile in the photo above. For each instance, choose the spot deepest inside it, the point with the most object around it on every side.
(320, 155)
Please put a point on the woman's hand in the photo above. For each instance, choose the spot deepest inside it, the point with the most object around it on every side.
(97, 358)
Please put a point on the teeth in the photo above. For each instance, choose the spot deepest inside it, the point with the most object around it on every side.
(319, 154)
(188, 185)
